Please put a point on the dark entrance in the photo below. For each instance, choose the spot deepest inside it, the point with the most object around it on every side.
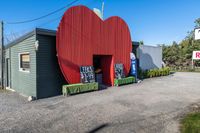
(103, 69)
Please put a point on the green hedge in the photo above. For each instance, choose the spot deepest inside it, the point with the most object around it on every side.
(124, 81)
(154, 73)
(79, 88)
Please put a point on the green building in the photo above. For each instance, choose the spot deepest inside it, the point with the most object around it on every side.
(31, 67)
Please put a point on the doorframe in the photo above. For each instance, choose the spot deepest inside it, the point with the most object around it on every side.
(8, 73)
(109, 69)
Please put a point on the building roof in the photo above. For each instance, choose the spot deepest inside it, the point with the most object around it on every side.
(39, 31)
(135, 43)
(151, 46)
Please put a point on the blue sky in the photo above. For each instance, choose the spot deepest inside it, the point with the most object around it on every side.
(153, 21)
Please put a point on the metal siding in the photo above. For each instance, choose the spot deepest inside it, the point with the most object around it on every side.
(49, 76)
(7, 53)
(150, 57)
(82, 34)
(23, 82)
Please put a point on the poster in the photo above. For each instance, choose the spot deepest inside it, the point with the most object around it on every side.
(87, 74)
(119, 71)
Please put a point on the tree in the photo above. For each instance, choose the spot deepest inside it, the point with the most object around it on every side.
(141, 43)
(180, 55)
(197, 23)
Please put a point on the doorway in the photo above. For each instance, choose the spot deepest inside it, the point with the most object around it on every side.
(8, 73)
(103, 69)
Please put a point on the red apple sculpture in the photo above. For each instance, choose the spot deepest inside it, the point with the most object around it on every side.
(81, 35)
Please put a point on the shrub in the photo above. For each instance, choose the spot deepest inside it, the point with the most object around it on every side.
(124, 81)
(154, 73)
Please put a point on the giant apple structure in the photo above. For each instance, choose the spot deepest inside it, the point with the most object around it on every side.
(81, 35)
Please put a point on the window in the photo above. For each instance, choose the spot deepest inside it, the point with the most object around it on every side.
(24, 60)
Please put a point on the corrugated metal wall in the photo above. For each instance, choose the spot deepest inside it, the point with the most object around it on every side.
(82, 34)
(150, 57)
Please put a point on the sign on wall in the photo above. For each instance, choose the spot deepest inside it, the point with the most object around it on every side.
(87, 74)
(197, 34)
(119, 71)
(196, 55)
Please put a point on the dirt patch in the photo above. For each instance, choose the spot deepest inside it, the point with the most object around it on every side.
(191, 109)
(4, 91)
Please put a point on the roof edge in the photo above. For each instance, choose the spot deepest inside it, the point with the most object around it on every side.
(20, 39)
(38, 31)
(48, 32)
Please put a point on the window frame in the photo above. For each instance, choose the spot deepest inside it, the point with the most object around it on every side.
(19, 58)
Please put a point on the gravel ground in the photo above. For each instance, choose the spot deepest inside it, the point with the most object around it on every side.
(153, 106)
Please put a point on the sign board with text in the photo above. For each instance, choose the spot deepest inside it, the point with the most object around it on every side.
(119, 71)
(197, 34)
(87, 74)
(196, 55)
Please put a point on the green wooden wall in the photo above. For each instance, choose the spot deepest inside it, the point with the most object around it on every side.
(23, 82)
(49, 76)
(45, 78)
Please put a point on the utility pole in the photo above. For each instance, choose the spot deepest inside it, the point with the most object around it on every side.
(102, 11)
(1, 54)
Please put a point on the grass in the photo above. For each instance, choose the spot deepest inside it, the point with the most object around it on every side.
(191, 123)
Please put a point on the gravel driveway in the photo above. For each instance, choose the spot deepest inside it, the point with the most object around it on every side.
(152, 106)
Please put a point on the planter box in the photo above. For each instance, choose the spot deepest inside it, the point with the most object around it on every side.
(79, 88)
(124, 81)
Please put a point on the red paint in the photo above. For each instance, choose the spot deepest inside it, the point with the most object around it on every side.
(82, 34)
(106, 65)
(198, 55)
